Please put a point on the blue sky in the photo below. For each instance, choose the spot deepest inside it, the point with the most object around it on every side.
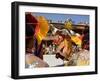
(63, 17)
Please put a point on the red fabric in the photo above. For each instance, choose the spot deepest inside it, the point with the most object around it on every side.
(30, 19)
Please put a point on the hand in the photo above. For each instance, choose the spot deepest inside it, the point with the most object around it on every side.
(58, 55)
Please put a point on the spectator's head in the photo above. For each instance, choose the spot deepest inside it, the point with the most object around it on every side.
(31, 23)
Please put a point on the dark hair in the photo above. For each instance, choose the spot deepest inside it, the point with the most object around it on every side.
(29, 36)
(29, 30)
(85, 41)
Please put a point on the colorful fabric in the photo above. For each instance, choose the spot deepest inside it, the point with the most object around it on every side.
(76, 40)
(41, 29)
(31, 19)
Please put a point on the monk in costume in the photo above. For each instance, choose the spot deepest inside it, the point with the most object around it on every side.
(64, 46)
